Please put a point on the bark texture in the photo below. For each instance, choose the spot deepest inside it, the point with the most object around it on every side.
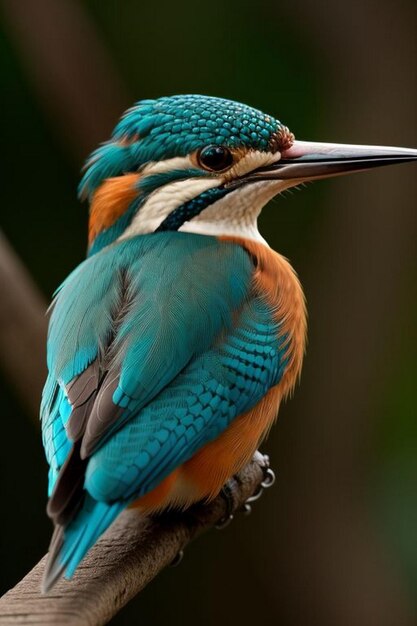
(124, 561)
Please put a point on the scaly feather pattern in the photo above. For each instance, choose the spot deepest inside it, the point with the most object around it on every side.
(156, 345)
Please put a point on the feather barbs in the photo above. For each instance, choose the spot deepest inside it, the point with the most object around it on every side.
(202, 476)
(277, 281)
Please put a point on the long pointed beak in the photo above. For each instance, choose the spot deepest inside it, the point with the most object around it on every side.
(307, 160)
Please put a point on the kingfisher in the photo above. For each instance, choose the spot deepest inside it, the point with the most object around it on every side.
(171, 347)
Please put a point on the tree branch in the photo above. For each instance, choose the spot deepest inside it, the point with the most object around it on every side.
(123, 562)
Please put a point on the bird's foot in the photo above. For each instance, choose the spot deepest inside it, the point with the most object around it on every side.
(268, 481)
(227, 493)
(229, 489)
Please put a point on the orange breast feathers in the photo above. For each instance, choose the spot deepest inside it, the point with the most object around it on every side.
(277, 281)
(110, 201)
(203, 476)
(214, 464)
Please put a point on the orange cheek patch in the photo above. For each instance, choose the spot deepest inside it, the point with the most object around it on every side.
(110, 201)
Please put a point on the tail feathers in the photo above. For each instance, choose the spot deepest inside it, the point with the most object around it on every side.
(70, 544)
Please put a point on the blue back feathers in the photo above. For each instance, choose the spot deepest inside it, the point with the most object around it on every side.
(183, 346)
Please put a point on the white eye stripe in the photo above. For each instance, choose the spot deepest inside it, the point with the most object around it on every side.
(251, 161)
(161, 167)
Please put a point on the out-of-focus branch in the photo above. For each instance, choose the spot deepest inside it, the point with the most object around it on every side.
(70, 68)
(122, 563)
(79, 89)
(22, 329)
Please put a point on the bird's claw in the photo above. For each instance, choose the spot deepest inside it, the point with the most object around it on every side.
(227, 493)
(177, 559)
(268, 481)
(246, 509)
(224, 522)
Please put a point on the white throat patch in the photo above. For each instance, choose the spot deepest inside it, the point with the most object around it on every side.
(236, 214)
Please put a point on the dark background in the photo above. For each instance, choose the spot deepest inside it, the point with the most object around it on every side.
(335, 541)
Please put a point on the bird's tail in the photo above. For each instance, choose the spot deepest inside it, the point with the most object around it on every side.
(71, 543)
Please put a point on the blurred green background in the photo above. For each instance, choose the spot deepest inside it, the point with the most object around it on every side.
(335, 541)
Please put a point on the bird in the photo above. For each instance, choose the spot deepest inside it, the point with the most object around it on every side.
(172, 345)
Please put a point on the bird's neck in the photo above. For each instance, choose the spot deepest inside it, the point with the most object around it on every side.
(236, 214)
(120, 209)
(246, 228)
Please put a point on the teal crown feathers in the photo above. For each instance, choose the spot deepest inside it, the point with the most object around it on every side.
(175, 126)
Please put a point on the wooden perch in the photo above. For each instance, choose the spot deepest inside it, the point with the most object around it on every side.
(130, 554)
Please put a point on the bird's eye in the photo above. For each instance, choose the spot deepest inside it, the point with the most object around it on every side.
(215, 158)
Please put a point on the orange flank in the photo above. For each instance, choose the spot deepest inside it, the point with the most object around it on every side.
(110, 201)
(209, 469)
(215, 463)
(276, 280)
(155, 499)
(203, 476)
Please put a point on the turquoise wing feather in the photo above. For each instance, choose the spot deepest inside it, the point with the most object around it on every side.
(55, 440)
(196, 407)
(155, 345)
(126, 322)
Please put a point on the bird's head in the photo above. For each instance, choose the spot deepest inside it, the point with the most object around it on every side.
(204, 165)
